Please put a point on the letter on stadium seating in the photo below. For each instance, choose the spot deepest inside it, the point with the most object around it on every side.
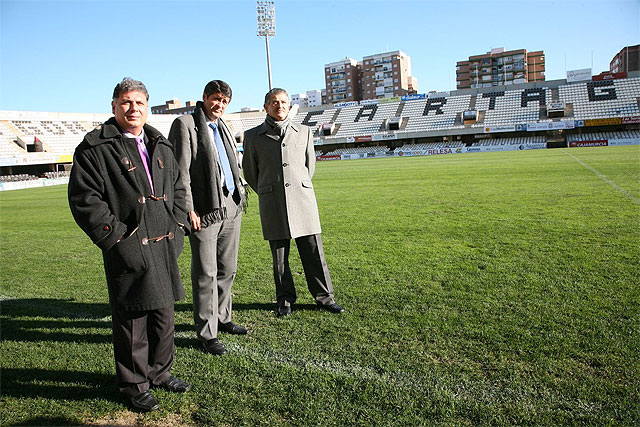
(310, 114)
(434, 104)
(492, 98)
(601, 91)
(372, 112)
(533, 94)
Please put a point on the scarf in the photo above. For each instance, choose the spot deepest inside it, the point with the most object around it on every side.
(279, 127)
(212, 210)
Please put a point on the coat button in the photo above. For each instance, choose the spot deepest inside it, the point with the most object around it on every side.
(287, 184)
(284, 165)
(283, 144)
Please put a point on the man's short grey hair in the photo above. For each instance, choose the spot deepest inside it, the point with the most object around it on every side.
(127, 85)
(274, 91)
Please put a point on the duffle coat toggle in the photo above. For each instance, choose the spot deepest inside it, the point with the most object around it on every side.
(147, 240)
(142, 200)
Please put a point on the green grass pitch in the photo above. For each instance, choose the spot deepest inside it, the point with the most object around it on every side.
(487, 288)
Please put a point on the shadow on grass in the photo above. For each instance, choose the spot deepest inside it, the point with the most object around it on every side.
(264, 306)
(22, 321)
(72, 321)
(49, 307)
(58, 384)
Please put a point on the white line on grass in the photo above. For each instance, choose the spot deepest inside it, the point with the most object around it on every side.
(605, 179)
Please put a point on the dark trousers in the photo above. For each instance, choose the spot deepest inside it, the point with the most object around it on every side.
(143, 347)
(315, 270)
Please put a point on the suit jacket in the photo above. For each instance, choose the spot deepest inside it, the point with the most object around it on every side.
(280, 172)
(194, 159)
(110, 199)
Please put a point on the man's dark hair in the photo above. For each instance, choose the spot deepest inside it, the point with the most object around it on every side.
(274, 91)
(215, 86)
(127, 85)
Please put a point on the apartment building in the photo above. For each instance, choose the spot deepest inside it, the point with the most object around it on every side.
(342, 81)
(628, 59)
(312, 98)
(386, 75)
(499, 67)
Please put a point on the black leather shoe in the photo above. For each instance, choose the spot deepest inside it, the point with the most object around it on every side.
(332, 308)
(213, 346)
(175, 385)
(145, 402)
(232, 328)
(284, 310)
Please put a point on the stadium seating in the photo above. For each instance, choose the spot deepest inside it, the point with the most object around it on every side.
(519, 112)
(434, 113)
(511, 107)
(510, 141)
(17, 177)
(631, 134)
(605, 98)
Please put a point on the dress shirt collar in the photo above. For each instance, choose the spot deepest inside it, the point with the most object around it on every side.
(130, 135)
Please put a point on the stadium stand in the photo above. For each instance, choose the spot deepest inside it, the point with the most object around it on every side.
(435, 113)
(512, 106)
(526, 116)
(603, 99)
(511, 141)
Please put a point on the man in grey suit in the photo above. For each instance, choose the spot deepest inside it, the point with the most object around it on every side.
(278, 163)
(210, 170)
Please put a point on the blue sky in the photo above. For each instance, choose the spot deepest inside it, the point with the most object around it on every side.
(68, 55)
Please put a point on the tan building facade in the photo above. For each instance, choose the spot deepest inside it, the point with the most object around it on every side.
(500, 67)
(342, 81)
(383, 75)
(386, 75)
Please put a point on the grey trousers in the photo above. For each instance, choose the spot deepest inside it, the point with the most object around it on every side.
(214, 262)
(315, 270)
(143, 347)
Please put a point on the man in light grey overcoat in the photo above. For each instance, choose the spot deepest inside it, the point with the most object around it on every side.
(278, 163)
(210, 171)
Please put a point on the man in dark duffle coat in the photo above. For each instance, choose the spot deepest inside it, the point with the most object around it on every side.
(210, 172)
(126, 194)
(278, 163)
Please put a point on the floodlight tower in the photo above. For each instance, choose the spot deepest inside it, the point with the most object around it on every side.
(267, 26)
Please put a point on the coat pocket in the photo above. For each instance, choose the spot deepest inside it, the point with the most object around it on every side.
(126, 257)
(125, 267)
(306, 183)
